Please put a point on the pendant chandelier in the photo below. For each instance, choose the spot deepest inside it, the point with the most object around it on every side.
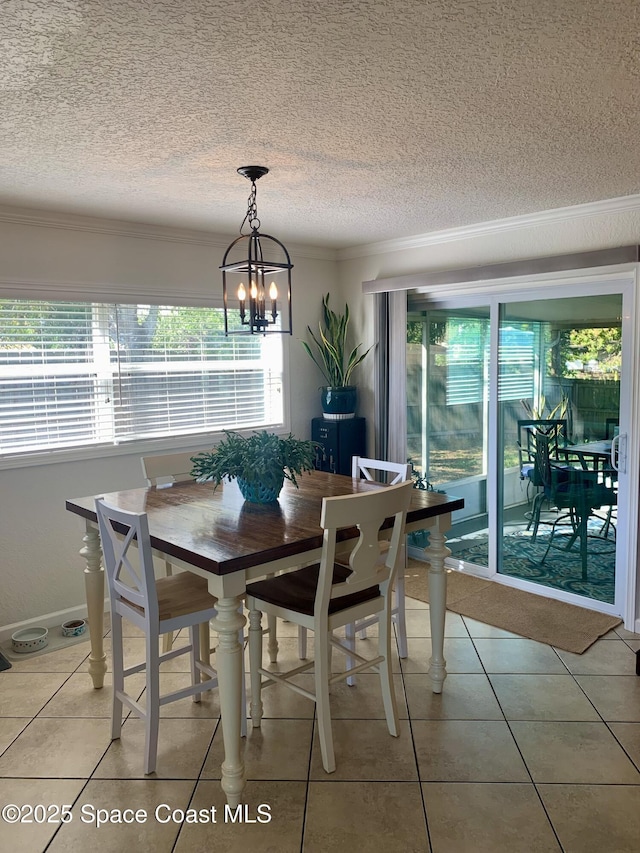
(256, 275)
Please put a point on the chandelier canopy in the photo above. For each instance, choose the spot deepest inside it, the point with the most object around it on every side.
(256, 275)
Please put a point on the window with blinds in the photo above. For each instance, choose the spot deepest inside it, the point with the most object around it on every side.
(74, 374)
(468, 360)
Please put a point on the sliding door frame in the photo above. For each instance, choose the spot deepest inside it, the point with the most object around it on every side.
(491, 293)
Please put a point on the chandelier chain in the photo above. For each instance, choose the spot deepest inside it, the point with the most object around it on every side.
(252, 210)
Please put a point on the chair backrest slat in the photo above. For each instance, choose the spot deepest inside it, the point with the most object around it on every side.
(395, 472)
(166, 469)
(367, 511)
(130, 581)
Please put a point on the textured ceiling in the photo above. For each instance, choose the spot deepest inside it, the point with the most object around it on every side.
(377, 119)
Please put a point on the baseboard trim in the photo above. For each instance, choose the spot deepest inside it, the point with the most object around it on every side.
(48, 620)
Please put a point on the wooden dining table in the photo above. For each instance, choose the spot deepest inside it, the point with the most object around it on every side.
(218, 535)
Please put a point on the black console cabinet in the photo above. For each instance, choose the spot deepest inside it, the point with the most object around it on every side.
(339, 441)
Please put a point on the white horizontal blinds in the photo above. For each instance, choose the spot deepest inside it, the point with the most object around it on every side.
(519, 358)
(468, 360)
(77, 374)
(53, 391)
(467, 355)
(179, 374)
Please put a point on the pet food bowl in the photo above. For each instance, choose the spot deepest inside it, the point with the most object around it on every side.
(30, 640)
(74, 628)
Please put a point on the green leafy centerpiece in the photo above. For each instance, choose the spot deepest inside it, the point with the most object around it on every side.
(260, 463)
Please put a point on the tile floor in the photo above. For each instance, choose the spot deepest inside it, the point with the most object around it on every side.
(527, 749)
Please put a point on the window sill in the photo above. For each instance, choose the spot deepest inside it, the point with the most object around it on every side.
(141, 447)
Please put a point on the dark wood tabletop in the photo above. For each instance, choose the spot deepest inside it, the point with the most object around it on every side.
(218, 531)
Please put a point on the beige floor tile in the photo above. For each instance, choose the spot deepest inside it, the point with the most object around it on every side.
(366, 818)
(634, 645)
(605, 657)
(542, 697)
(481, 629)
(207, 708)
(487, 818)
(621, 631)
(34, 836)
(134, 652)
(281, 703)
(364, 750)
(281, 806)
(61, 660)
(467, 751)
(573, 753)
(279, 749)
(78, 698)
(594, 818)
(504, 655)
(10, 728)
(364, 699)
(418, 624)
(616, 697)
(459, 652)
(182, 748)
(454, 626)
(287, 654)
(60, 747)
(415, 604)
(463, 697)
(148, 829)
(24, 694)
(628, 734)
(369, 649)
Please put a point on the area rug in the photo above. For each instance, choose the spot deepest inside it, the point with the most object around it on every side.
(556, 623)
(562, 569)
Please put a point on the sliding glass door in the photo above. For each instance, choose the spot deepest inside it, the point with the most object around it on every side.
(559, 408)
(518, 405)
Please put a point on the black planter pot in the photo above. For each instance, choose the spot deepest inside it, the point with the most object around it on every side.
(339, 404)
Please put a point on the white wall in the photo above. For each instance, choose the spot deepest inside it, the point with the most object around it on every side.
(69, 257)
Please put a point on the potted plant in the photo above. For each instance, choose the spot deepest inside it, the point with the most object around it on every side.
(259, 463)
(335, 361)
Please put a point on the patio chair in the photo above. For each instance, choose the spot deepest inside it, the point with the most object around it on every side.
(574, 494)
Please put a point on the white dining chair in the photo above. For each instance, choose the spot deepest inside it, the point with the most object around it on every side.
(156, 607)
(326, 596)
(163, 471)
(392, 473)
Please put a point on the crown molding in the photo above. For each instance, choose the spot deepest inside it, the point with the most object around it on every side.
(139, 230)
(622, 204)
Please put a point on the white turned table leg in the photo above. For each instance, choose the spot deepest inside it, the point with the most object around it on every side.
(94, 587)
(436, 554)
(229, 653)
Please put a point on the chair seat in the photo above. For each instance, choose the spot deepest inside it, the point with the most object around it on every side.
(179, 595)
(297, 590)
